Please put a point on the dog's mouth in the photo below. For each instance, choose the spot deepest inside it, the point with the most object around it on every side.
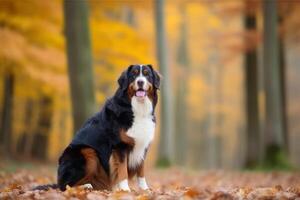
(141, 93)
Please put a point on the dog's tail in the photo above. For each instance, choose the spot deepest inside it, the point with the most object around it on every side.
(46, 187)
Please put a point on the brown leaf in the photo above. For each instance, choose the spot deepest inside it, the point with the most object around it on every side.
(191, 192)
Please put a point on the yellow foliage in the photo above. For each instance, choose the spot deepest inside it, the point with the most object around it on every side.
(114, 49)
(32, 35)
(197, 90)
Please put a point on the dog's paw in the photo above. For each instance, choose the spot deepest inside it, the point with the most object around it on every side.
(87, 186)
(142, 183)
(122, 186)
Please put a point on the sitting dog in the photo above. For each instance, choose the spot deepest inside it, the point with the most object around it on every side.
(111, 146)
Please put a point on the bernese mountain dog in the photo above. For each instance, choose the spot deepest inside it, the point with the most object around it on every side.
(111, 146)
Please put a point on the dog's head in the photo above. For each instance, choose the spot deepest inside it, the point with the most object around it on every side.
(141, 81)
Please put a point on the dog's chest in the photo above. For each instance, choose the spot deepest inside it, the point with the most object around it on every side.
(142, 131)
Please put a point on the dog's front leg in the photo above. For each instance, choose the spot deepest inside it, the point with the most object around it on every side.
(141, 177)
(119, 174)
(122, 180)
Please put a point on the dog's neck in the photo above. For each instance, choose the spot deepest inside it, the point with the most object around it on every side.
(141, 108)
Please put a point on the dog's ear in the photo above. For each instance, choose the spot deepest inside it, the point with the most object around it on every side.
(123, 79)
(156, 77)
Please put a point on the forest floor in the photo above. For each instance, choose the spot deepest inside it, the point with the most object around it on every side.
(17, 179)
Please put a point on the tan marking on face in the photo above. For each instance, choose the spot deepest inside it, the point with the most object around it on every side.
(145, 72)
(131, 90)
(135, 72)
(151, 92)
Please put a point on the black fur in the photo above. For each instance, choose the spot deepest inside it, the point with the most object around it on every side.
(156, 77)
(101, 132)
(124, 78)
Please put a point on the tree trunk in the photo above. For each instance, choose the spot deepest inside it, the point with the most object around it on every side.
(274, 131)
(181, 93)
(79, 60)
(33, 111)
(166, 124)
(128, 16)
(6, 129)
(283, 91)
(251, 84)
(41, 136)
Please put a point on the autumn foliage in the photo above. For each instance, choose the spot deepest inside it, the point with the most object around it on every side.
(171, 184)
(207, 42)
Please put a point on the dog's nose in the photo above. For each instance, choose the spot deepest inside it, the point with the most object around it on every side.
(140, 83)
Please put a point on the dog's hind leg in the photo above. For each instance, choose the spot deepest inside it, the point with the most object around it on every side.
(71, 168)
(95, 176)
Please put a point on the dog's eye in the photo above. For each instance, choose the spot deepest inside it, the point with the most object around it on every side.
(146, 72)
(135, 72)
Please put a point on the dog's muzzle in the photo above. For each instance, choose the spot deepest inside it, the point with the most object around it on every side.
(140, 93)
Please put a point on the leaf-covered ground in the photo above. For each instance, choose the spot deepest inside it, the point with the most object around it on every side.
(165, 184)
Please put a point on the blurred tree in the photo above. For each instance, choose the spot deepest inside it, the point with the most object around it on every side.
(251, 83)
(79, 60)
(166, 131)
(33, 65)
(181, 93)
(40, 139)
(274, 133)
(214, 137)
(282, 66)
(8, 95)
(128, 15)
(32, 113)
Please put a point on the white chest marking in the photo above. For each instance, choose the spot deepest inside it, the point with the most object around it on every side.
(142, 130)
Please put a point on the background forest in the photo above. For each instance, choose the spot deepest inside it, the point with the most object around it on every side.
(230, 88)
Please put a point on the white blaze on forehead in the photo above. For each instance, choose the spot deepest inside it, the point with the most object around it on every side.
(141, 70)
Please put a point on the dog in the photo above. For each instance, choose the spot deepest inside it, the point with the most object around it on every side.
(111, 146)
